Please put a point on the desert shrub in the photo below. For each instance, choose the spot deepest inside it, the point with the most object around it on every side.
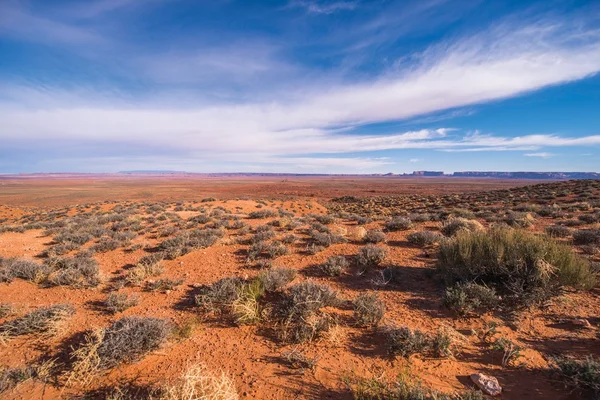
(289, 239)
(423, 238)
(580, 374)
(398, 224)
(12, 377)
(334, 266)
(220, 294)
(44, 320)
(12, 268)
(371, 256)
(277, 249)
(304, 299)
(146, 267)
(469, 297)
(455, 225)
(461, 213)
(262, 236)
(521, 266)
(199, 383)
(368, 309)
(374, 236)
(586, 236)
(558, 231)
(326, 239)
(274, 279)
(420, 217)
(589, 218)
(261, 214)
(511, 352)
(80, 271)
(519, 219)
(404, 342)
(119, 302)
(126, 340)
(163, 285)
(313, 248)
(325, 219)
(6, 310)
(305, 329)
(106, 245)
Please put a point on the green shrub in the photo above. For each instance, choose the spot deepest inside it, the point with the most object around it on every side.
(580, 374)
(520, 265)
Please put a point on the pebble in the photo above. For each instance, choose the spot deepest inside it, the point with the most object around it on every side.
(582, 323)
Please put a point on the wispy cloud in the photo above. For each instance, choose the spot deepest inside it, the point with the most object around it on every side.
(541, 155)
(323, 7)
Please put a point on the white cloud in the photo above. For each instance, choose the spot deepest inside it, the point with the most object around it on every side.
(541, 155)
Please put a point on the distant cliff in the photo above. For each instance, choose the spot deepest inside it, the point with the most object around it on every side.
(528, 175)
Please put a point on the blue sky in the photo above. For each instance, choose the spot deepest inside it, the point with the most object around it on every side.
(310, 86)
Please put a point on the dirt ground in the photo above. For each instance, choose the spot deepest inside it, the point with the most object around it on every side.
(251, 354)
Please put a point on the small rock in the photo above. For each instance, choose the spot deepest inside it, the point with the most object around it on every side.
(196, 285)
(488, 384)
(167, 291)
(582, 323)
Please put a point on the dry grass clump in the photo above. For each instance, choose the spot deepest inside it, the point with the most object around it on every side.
(403, 388)
(371, 256)
(261, 214)
(368, 309)
(455, 225)
(199, 383)
(119, 302)
(43, 321)
(334, 266)
(126, 340)
(521, 266)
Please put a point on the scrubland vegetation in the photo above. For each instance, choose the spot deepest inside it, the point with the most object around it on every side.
(470, 282)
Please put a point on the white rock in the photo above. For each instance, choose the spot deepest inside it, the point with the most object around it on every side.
(488, 384)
